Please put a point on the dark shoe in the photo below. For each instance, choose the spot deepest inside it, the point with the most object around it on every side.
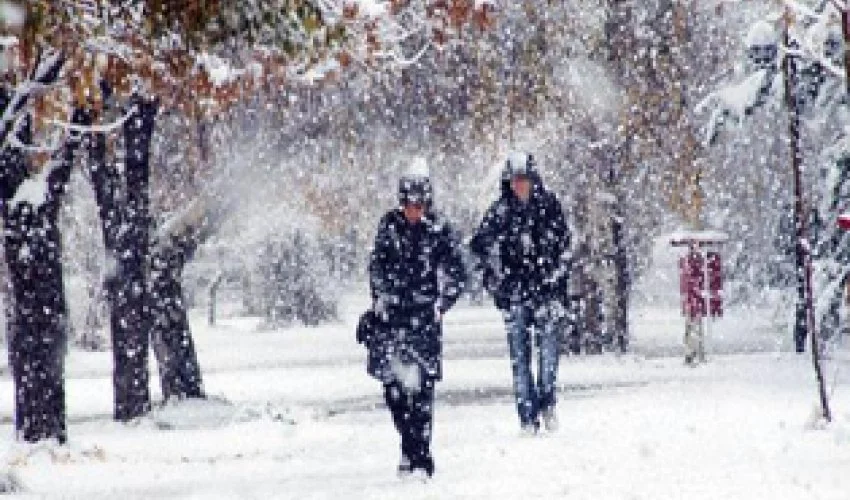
(529, 429)
(404, 466)
(425, 465)
(428, 465)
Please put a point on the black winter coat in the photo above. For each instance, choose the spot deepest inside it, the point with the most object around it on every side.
(415, 270)
(523, 248)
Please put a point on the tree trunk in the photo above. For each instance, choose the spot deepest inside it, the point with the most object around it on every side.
(622, 285)
(179, 371)
(802, 325)
(213, 298)
(620, 44)
(805, 320)
(38, 326)
(131, 399)
(145, 305)
(129, 290)
(37, 332)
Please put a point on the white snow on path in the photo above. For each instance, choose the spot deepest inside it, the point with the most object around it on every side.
(304, 421)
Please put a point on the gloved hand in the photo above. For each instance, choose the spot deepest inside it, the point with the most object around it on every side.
(548, 288)
(555, 286)
(491, 278)
(382, 304)
(556, 309)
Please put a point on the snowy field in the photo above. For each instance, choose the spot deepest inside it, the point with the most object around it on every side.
(295, 416)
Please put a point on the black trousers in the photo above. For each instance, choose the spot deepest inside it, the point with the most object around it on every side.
(413, 415)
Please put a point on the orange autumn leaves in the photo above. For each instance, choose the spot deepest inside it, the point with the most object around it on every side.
(156, 47)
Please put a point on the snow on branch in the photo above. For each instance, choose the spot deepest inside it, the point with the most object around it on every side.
(810, 54)
(803, 9)
(42, 78)
(192, 216)
(101, 129)
(219, 71)
(33, 189)
(56, 141)
(814, 48)
(841, 6)
(812, 36)
(397, 59)
(735, 101)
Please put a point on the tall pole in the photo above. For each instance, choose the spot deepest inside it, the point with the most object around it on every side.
(805, 318)
(845, 29)
(801, 324)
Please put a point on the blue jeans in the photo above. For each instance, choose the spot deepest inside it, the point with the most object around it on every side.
(522, 320)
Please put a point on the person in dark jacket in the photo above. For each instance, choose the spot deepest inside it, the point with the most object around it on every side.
(416, 274)
(522, 245)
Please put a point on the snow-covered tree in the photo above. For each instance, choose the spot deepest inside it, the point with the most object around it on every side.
(796, 63)
(77, 72)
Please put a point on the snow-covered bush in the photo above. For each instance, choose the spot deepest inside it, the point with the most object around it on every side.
(293, 280)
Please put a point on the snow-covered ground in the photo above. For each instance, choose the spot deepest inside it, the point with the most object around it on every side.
(295, 416)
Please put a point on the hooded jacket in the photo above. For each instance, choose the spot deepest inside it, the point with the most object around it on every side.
(523, 247)
(415, 270)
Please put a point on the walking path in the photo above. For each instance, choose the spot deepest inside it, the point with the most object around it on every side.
(295, 416)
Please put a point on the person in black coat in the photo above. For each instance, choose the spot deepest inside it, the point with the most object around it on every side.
(416, 273)
(522, 244)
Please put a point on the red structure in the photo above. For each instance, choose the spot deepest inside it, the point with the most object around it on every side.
(694, 271)
(698, 269)
(701, 287)
(692, 284)
(714, 268)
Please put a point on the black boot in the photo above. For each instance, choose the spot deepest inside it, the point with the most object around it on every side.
(425, 464)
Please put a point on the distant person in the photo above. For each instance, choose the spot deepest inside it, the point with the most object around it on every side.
(523, 246)
(416, 273)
